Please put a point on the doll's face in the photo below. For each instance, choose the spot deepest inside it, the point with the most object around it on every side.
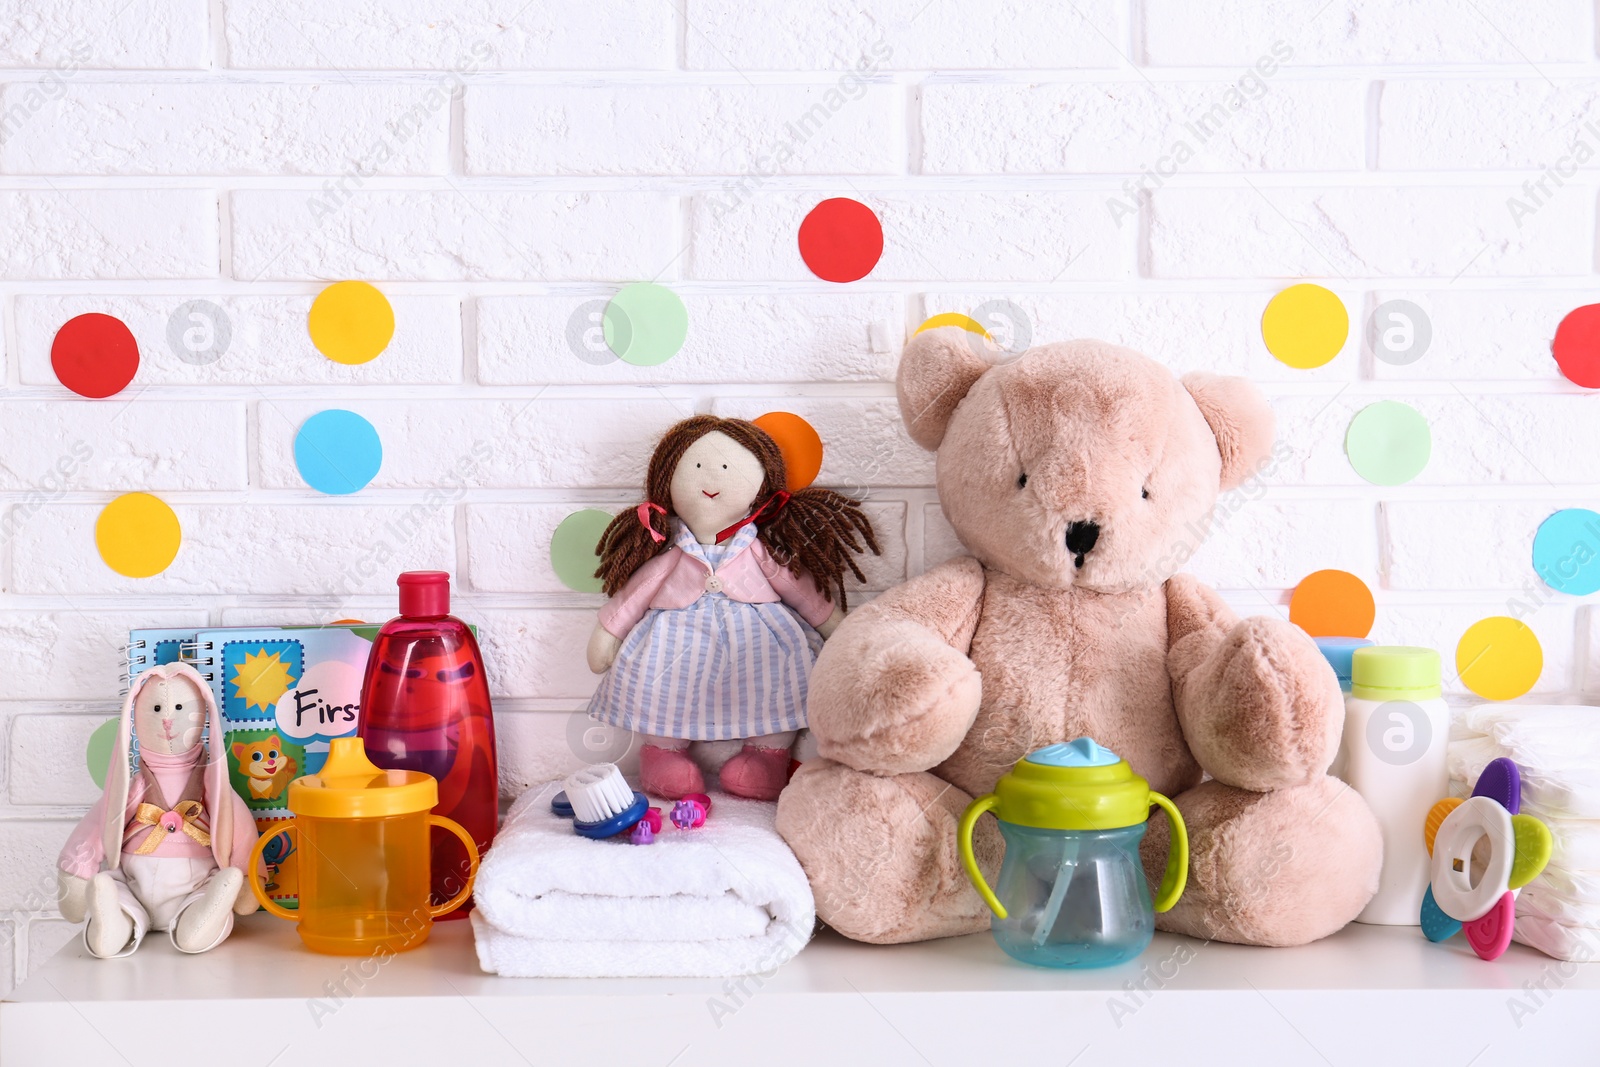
(168, 715)
(715, 485)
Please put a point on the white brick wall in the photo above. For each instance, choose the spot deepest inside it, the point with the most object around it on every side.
(320, 128)
(542, 129)
(246, 152)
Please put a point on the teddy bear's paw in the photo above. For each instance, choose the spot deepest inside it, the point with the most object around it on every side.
(880, 853)
(1280, 868)
(1263, 710)
(891, 698)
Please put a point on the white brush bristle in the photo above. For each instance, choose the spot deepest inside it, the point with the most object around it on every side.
(598, 792)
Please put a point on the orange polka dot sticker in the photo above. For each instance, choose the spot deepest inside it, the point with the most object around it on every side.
(1499, 658)
(1332, 604)
(138, 535)
(800, 444)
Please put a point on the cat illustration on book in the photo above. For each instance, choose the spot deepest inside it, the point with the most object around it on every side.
(266, 765)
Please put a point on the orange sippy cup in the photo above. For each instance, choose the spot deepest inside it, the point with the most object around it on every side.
(364, 855)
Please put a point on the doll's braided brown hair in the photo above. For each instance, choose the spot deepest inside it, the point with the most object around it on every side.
(814, 532)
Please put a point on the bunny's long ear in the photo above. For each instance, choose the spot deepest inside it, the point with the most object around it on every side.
(936, 370)
(118, 776)
(1240, 420)
(216, 764)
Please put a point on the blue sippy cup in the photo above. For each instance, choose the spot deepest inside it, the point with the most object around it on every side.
(1072, 890)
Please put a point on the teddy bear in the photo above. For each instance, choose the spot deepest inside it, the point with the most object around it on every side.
(1079, 476)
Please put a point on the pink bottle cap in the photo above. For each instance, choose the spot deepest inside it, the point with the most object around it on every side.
(424, 594)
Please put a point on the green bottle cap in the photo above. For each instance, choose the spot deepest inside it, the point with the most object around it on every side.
(1394, 672)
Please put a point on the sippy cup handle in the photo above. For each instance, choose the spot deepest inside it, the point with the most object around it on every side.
(1177, 875)
(472, 860)
(969, 819)
(272, 906)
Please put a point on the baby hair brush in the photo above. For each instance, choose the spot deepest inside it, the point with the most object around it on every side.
(601, 802)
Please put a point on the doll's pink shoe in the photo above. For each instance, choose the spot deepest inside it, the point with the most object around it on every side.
(669, 773)
(757, 773)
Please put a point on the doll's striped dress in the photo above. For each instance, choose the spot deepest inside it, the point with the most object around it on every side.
(714, 670)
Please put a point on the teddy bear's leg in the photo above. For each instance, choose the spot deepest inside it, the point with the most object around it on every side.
(207, 918)
(880, 852)
(1279, 868)
(117, 922)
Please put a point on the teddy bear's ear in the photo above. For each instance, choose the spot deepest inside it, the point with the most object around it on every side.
(936, 370)
(1240, 420)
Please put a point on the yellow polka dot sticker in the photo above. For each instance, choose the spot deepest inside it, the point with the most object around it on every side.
(1305, 326)
(351, 322)
(954, 318)
(138, 535)
(1499, 658)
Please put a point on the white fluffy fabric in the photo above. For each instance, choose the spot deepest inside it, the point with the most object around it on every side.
(728, 898)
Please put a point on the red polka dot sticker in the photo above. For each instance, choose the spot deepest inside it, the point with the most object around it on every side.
(95, 355)
(1577, 346)
(841, 240)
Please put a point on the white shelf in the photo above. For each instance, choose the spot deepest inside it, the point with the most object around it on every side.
(1369, 996)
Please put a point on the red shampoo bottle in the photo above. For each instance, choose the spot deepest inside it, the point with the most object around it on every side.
(425, 707)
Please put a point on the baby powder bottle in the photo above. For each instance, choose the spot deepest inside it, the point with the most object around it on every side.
(1396, 729)
(1338, 651)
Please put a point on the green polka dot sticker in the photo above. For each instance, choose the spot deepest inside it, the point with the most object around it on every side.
(98, 752)
(573, 553)
(1388, 443)
(645, 324)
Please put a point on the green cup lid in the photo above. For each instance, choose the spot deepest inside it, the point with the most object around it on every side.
(1079, 785)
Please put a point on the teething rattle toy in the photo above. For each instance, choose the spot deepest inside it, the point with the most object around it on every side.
(1519, 847)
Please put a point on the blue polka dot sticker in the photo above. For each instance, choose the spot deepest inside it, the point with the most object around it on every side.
(1566, 551)
(338, 452)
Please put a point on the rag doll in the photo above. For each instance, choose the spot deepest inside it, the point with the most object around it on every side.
(173, 839)
(723, 587)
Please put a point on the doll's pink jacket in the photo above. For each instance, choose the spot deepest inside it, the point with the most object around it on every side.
(676, 579)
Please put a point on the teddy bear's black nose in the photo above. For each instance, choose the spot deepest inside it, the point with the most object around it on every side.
(1081, 537)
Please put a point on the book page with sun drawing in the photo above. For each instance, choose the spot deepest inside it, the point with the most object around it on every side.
(261, 679)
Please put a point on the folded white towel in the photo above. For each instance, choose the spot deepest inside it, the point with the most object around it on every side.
(728, 898)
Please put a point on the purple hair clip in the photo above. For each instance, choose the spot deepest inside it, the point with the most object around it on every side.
(645, 830)
(690, 812)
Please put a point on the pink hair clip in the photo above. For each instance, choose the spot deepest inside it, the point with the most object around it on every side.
(644, 511)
